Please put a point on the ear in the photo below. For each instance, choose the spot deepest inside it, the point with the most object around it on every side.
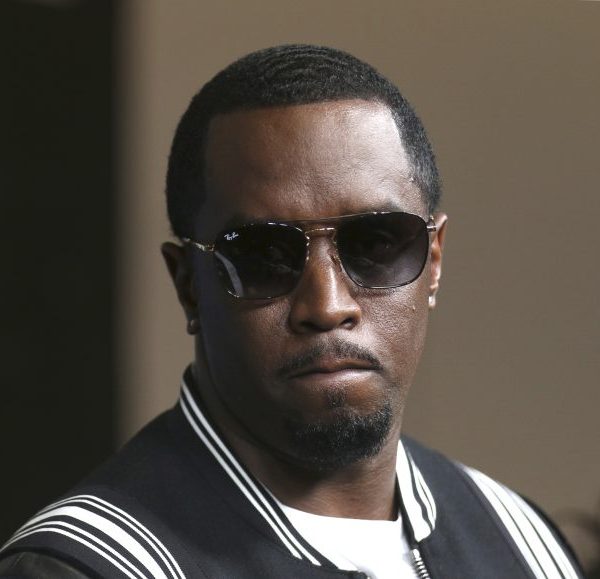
(183, 279)
(435, 261)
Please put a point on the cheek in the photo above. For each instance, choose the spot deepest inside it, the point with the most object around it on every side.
(262, 329)
(240, 338)
(397, 323)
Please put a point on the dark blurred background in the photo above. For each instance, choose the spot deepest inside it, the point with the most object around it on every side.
(93, 342)
(57, 186)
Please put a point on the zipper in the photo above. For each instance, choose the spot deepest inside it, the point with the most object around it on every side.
(419, 564)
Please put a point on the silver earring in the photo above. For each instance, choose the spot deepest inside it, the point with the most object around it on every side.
(432, 300)
(192, 326)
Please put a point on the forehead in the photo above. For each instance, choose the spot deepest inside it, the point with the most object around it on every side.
(305, 162)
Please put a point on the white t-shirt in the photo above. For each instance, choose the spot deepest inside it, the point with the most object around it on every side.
(377, 548)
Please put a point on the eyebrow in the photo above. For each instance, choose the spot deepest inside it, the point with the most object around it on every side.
(239, 219)
(236, 220)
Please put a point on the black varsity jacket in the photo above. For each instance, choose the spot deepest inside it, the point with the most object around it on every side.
(175, 502)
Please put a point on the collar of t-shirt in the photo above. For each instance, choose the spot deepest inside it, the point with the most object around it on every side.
(377, 548)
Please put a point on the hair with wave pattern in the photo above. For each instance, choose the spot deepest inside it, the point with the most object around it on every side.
(280, 76)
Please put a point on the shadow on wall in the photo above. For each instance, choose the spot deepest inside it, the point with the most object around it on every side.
(583, 531)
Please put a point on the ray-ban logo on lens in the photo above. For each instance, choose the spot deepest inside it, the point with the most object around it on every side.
(231, 236)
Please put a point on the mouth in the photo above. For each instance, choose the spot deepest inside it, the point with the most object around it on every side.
(334, 378)
(332, 366)
(333, 373)
(336, 367)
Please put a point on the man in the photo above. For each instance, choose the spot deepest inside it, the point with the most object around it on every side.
(304, 191)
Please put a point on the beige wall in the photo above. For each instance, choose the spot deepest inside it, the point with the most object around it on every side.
(509, 91)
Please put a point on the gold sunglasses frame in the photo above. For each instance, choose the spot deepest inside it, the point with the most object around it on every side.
(308, 234)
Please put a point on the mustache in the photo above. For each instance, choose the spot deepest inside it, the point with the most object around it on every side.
(336, 349)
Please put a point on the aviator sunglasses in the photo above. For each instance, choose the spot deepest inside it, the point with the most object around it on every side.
(266, 260)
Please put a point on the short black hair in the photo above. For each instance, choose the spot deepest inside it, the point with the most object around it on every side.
(290, 74)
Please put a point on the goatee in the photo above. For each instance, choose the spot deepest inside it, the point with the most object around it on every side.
(340, 441)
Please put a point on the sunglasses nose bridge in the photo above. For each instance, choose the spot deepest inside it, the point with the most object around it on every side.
(330, 232)
(321, 232)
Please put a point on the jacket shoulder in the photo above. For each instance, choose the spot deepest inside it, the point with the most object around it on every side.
(485, 515)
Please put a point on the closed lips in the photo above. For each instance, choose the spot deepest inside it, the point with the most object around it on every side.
(331, 366)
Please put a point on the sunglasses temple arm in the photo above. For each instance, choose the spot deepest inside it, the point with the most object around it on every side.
(200, 246)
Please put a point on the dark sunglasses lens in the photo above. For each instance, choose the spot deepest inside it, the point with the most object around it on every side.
(382, 251)
(260, 261)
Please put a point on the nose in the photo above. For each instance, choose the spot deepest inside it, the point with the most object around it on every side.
(323, 299)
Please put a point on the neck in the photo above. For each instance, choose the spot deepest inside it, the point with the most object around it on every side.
(365, 489)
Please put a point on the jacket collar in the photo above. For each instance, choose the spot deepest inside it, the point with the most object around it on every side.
(417, 503)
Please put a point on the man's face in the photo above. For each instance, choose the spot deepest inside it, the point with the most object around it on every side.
(319, 375)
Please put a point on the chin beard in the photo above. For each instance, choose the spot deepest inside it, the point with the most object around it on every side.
(341, 441)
